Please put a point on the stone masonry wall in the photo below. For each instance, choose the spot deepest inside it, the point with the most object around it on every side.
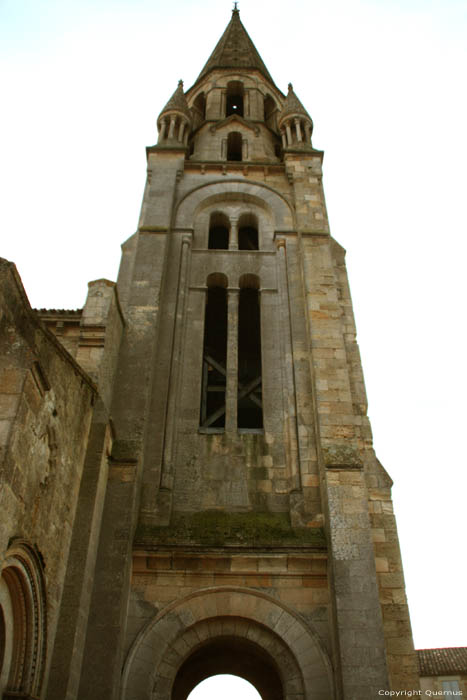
(46, 404)
(298, 580)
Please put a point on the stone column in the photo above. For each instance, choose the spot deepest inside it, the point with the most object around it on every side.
(308, 132)
(289, 133)
(298, 129)
(171, 127)
(181, 130)
(232, 360)
(233, 238)
(284, 139)
(163, 130)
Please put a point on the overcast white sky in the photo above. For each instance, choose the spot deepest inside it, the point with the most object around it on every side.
(385, 82)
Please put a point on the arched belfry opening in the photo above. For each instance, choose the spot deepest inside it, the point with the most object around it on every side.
(214, 375)
(234, 98)
(219, 226)
(248, 232)
(234, 146)
(250, 402)
(229, 655)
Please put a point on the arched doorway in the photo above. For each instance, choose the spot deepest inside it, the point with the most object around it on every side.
(235, 656)
(22, 622)
(219, 630)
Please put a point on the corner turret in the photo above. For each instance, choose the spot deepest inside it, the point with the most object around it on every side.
(175, 120)
(294, 122)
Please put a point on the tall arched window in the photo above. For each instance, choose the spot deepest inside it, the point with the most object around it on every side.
(218, 232)
(234, 146)
(250, 404)
(234, 98)
(248, 232)
(214, 379)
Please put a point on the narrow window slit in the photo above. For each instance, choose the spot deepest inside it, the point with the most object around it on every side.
(234, 146)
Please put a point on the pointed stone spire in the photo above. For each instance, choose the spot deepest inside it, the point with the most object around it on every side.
(235, 49)
(292, 106)
(177, 102)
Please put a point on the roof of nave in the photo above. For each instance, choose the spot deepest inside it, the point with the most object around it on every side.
(235, 49)
(442, 662)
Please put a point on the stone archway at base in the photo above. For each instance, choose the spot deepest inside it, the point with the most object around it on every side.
(231, 653)
(223, 630)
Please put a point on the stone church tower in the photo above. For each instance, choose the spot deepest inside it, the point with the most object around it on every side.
(202, 494)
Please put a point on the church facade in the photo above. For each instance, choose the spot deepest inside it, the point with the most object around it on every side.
(189, 481)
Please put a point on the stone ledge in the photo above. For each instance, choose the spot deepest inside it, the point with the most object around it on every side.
(219, 529)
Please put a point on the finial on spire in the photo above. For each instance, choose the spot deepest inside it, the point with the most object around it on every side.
(180, 83)
(290, 87)
(235, 8)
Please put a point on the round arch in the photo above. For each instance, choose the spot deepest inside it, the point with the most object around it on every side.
(160, 663)
(23, 602)
(242, 212)
(231, 652)
(235, 189)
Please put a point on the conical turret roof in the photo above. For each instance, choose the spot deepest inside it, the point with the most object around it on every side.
(235, 49)
(292, 105)
(177, 102)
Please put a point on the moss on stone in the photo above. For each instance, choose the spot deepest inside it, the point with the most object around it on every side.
(218, 528)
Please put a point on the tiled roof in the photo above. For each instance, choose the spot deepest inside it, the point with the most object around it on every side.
(442, 662)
